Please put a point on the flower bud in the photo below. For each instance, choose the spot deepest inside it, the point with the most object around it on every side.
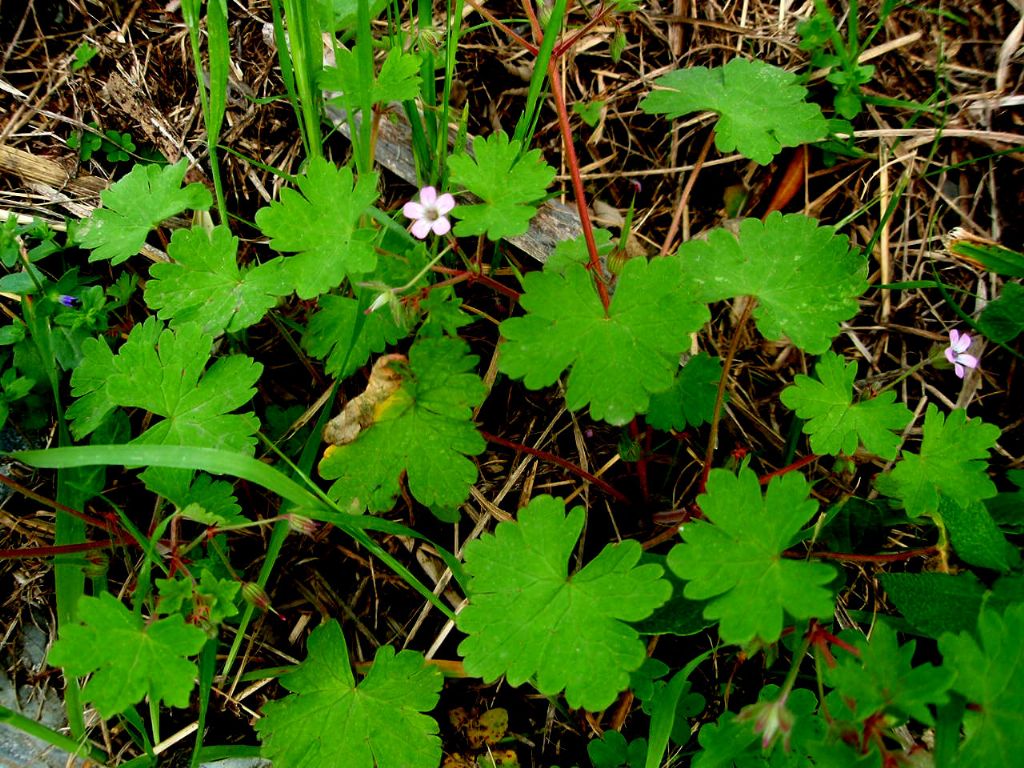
(255, 596)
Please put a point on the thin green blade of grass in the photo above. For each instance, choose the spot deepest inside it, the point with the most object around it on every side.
(69, 575)
(218, 462)
(58, 740)
(212, 94)
(300, 53)
(531, 115)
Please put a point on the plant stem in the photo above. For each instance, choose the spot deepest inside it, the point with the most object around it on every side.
(577, 181)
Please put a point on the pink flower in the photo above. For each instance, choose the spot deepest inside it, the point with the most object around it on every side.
(956, 353)
(430, 214)
(771, 719)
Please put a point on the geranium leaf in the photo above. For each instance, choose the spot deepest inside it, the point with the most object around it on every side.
(206, 602)
(762, 108)
(399, 78)
(528, 618)
(835, 423)
(805, 277)
(330, 720)
(507, 180)
(423, 429)
(1003, 319)
(134, 205)
(883, 679)
(734, 557)
(204, 284)
(319, 222)
(952, 462)
(617, 359)
(690, 401)
(989, 668)
(128, 660)
(165, 373)
(344, 338)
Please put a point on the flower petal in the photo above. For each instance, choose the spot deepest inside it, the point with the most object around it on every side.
(950, 354)
(441, 226)
(958, 370)
(414, 210)
(968, 361)
(445, 203)
(421, 228)
(428, 196)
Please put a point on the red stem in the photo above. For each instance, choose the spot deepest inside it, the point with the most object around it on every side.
(852, 558)
(546, 456)
(765, 479)
(96, 522)
(62, 549)
(463, 275)
(577, 181)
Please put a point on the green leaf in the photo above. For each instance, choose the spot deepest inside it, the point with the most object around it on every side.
(574, 251)
(952, 463)
(343, 336)
(507, 180)
(835, 423)
(975, 536)
(134, 205)
(690, 401)
(617, 359)
(320, 223)
(329, 720)
(204, 285)
(681, 615)
(883, 680)
(992, 256)
(734, 557)
(206, 602)
(162, 371)
(399, 78)
(334, 334)
(990, 674)
(761, 107)
(611, 751)
(443, 313)
(805, 277)
(210, 502)
(128, 660)
(934, 603)
(528, 618)
(424, 430)
(1003, 319)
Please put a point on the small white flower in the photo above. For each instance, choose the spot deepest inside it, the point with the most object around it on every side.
(956, 353)
(430, 214)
